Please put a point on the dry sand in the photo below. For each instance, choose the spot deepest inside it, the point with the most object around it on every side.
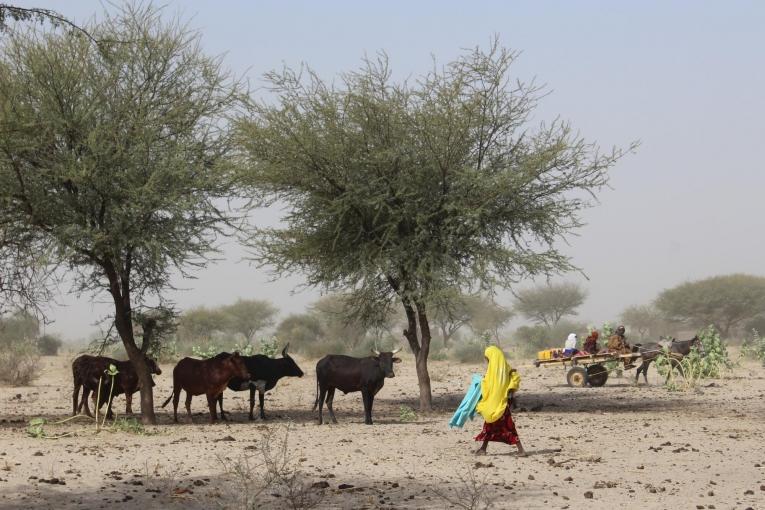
(627, 446)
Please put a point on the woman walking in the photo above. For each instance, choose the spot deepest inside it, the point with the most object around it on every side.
(497, 389)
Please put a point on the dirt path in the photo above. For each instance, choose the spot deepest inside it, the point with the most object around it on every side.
(625, 446)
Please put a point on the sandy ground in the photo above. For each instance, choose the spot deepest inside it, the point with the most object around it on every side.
(621, 445)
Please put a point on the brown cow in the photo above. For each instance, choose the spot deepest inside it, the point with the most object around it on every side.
(208, 376)
(86, 371)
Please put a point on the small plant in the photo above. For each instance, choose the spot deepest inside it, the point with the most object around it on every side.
(269, 346)
(205, 352)
(716, 359)
(471, 494)
(274, 469)
(754, 346)
(406, 413)
(130, 426)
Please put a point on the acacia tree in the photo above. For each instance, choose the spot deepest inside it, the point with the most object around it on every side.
(478, 312)
(116, 154)
(725, 301)
(248, 316)
(645, 319)
(548, 304)
(402, 192)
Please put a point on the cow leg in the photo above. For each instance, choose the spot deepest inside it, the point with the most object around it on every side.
(211, 403)
(75, 398)
(84, 402)
(322, 396)
(128, 403)
(188, 405)
(367, 397)
(330, 399)
(176, 398)
(252, 402)
(220, 404)
(261, 397)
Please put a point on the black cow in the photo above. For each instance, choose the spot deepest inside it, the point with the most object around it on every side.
(265, 372)
(348, 374)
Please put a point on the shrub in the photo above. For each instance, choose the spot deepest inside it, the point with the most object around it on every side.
(48, 345)
(754, 346)
(716, 358)
(528, 340)
(19, 363)
(269, 346)
(406, 413)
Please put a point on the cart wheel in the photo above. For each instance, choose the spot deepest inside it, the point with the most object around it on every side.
(597, 375)
(577, 377)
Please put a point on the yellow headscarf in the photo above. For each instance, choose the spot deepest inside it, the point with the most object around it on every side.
(499, 379)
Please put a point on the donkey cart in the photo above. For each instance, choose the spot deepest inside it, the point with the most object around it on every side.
(589, 369)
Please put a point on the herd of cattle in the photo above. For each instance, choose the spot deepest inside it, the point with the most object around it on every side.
(212, 376)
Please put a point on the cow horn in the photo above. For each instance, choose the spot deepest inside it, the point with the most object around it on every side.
(377, 353)
(284, 351)
(396, 350)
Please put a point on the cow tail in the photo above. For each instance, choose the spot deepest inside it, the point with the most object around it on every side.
(316, 402)
(168, 400)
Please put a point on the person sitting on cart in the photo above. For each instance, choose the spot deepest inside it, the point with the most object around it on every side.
(617, 343)
(569, 348)
(591, 342)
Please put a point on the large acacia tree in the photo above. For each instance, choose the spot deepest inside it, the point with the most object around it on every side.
(115, 156)
(548, 304)
(402, 192)
(726, 301)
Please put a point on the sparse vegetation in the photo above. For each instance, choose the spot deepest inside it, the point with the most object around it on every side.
(406, 413)
(754, 346)
(272, 469)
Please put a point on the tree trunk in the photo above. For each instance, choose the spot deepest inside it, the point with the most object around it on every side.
(144, 378)
(119, 288)
(423, 377)
(446, 336)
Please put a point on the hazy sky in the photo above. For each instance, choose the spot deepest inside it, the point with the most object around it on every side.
(685, 78)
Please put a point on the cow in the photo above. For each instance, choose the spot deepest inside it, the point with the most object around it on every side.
(86, 371)
(264, 372)
(677, 350)
(348, 374)
(208, 376)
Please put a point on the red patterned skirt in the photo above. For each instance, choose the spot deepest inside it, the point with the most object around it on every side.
(502, 430)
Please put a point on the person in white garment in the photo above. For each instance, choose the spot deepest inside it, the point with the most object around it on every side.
(569, 349)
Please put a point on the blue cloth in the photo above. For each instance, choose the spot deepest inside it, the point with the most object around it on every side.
(466, 408)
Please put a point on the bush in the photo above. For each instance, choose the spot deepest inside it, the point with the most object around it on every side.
(716, 358)
(268, 346)
(48, 345)
(19, 363)
(754, 346)
(471, 351)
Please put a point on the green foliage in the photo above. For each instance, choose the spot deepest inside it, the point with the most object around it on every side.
(548, 304)
(754, 346)
(117, 155)
(725, 301)
(716, 359)
(687, 372)
(399, 193)
(407, 414)
(48, 345)
(36, 428)
(269, 346)
(211, 350)
(129, 425)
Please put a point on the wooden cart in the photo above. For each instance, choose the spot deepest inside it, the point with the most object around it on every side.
(589, 369)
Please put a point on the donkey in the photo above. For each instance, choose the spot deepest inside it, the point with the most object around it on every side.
(678, 348)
